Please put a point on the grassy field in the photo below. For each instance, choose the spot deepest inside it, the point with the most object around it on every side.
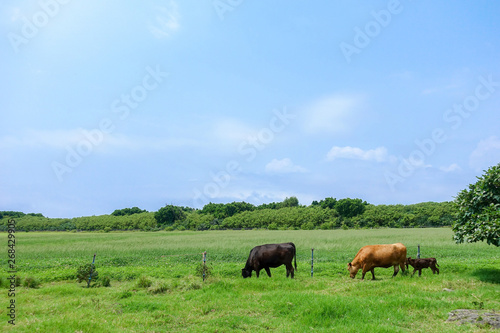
(156, 286)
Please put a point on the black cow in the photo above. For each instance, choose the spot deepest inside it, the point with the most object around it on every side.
(418, 264)
(270, 255)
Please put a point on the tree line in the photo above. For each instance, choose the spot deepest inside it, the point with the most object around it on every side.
(328, 213)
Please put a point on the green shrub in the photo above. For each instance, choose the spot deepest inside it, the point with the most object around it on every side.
(159, 287)
(106, 281)
(84, 273)
(31, 282)
(272, 226)
(144, 282)
(203, 268)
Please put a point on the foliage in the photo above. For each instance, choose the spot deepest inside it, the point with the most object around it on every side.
(128, 211)
(329, 213)
(478, 217)
(31, 282)
(168, 215)
(221, 211)
(85, 272)
(144, 282)
(105, 281)
(350, 207)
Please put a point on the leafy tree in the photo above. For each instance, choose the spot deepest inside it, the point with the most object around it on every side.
(169, 214)
(290, 202)
(128, 211)
(478, 217)
(328, 203)
(85, 272)
(350, 207)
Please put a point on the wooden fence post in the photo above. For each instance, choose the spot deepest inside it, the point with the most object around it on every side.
(418, 252)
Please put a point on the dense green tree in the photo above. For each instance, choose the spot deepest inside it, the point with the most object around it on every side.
(290, 202)
(328, 203)
(478, 217)
(128, 211)
(350, 207)
(169, 214)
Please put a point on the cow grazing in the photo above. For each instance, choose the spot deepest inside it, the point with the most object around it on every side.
(418, 264)
(270, 255)
(371, 256)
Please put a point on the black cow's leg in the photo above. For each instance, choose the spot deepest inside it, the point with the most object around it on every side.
(289, 270)
(268, 271)
(257, 272)
(420, 272)
(414, 270)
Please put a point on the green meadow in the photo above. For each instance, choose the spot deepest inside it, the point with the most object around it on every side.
(156, 283)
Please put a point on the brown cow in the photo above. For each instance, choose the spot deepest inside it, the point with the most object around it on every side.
(384, 255)
(420, 263)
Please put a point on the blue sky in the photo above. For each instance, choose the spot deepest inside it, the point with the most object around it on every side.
(147, 103)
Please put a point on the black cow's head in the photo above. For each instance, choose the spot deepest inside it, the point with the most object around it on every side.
(246, 273)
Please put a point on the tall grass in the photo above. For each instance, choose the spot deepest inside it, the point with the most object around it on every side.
(177, 300)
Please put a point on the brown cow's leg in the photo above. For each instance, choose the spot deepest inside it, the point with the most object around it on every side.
(373, 273)
(396, 270)
(268, 271)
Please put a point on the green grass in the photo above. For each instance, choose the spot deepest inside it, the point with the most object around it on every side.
(177, 300)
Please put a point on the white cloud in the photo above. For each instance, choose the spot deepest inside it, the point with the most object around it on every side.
(61, 139)
(451, 168)
(166, 20)
(42, 138)
(283, 166)
(232, 130)
(486, 154)
(333, 114)
(379, 154)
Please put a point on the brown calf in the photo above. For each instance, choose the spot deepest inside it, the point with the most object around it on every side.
(418, 264)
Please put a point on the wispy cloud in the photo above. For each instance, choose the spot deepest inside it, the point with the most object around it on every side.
(61, 139)
(451, 168)
(379, 154)
(284, 165)
(333, 114)
(486, 154)
(166, 21)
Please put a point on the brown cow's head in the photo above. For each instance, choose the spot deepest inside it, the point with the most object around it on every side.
(246, 273)
(352, 270)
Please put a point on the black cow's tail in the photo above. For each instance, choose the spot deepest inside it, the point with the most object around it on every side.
(294, 255)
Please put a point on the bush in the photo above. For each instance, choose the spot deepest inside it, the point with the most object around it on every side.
(144, 282)
(106, 281)
(272, 226)
(85, 271)
(158, 287)
(203, 268)
(31, 282)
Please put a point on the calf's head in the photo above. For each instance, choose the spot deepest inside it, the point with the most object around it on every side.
(246, 273)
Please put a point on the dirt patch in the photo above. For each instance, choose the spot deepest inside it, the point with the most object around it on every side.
(479, 317)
